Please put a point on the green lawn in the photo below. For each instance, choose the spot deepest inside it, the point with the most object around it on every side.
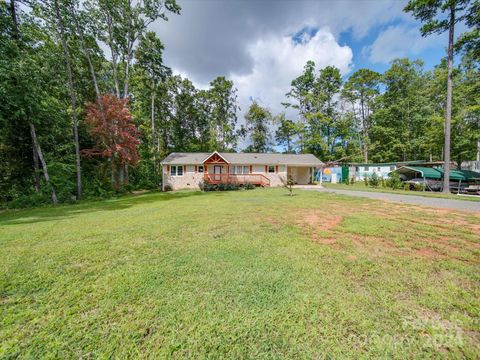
(360, 186)
(246, 274)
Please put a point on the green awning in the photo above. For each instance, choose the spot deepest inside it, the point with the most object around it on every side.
(420, 171)
(437, 174)
(464, 175)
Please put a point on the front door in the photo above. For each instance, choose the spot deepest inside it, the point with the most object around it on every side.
(217, 173)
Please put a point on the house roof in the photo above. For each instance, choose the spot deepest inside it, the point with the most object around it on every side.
(245, 158)
(389, 163)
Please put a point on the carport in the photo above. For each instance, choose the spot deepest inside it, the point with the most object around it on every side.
(460, 177)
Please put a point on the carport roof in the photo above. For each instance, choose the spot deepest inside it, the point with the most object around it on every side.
(437, 173)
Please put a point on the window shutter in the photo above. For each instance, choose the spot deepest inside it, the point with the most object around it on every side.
(184, 169)
(266, 168)
(168, 169)
(276, 169)
(251, 169)
(196, 169)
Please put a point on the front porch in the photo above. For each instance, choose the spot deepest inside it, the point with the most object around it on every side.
(240, 179)
(218, 171)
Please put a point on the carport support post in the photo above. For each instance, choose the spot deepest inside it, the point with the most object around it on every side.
(459, 185)
(424, 183)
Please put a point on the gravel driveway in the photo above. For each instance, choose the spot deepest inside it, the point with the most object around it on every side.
(462, 205)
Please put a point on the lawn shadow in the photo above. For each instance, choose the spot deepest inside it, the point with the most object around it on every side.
(31, 216)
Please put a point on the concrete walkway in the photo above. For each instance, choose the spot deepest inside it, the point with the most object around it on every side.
(462, 205)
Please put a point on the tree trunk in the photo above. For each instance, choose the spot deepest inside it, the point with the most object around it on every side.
(36, 169)
(42, 161)
(152, 109)
(478, 150)
(448, 111)
(13, 13)
(113, 52)
(113, 170)
(87, 54)
(73, 98)
(127, 71)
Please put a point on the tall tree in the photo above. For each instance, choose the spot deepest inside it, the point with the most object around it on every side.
(257, 121)
(150, 62)
(440, 16)
(116, 136)
(402, 114)
(286, 132)
(120, 24)
(23, 88)
(360, 90)
(223, 103)
(71, 85)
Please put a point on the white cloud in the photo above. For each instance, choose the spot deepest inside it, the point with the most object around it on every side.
(277, 60)
(212, 38)
(400, 41)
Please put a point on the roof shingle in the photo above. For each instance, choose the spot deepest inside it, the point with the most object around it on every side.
(246, 158)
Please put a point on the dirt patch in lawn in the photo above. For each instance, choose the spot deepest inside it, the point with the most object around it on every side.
(319, 220)
(401, 230)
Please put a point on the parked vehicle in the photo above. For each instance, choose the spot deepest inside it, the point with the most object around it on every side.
(428, 184)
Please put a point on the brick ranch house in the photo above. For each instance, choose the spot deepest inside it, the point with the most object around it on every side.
(188, 170)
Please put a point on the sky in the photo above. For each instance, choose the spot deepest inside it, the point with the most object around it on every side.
(262, 45)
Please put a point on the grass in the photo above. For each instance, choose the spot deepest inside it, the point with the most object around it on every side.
(246, 274)
(360, 186)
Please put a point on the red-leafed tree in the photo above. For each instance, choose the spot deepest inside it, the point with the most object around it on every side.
(115, 134)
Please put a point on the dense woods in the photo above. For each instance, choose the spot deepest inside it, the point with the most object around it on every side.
(80, 122)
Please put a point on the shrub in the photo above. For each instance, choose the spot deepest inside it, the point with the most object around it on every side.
(406, 186)
(365, 180)
(352, 180)
(418, 187)
(374, 180)
(394, 182)
(220, 187)
(288, 183)
(249, 186)
(31, 200)
(167, 188)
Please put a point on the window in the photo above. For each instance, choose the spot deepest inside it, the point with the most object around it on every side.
(366, 168)
(176, 170)
(378, 168)
(239, 170)
(271, 168)
(190, 168)
(392, 168)
(200, 168)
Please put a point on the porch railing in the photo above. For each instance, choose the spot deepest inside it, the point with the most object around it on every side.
(239, 179)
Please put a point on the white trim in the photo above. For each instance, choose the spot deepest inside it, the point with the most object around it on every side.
(183, 167)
